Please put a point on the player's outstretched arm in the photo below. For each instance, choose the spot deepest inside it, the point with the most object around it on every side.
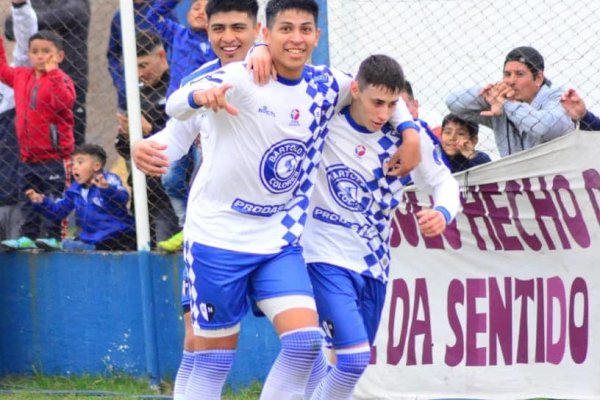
(186, 101)
(214, 99)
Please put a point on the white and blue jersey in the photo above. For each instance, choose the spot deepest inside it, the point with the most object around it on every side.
(351, 207)
(259, 166)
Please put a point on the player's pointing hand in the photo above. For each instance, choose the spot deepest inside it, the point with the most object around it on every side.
(215, 98)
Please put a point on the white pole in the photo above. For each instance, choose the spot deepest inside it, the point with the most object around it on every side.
(134, 113)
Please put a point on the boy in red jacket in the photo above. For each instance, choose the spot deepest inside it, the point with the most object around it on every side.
(44, 97)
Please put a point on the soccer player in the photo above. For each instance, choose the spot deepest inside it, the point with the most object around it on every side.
(347, 233)
(232, 30)
(260, 159)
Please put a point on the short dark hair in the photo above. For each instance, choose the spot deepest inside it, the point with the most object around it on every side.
(408, 90)
(48, 35)
(380, 70)
(250, 7)
(92, 150)
(274, 7)
(472, 127)
(146, 42)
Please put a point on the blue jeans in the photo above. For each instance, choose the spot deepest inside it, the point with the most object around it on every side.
(178, 179)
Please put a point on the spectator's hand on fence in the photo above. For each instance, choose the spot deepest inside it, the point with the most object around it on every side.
(34, 196)
(431, 222)
(260, 64)
(146, 127)
(100, 181)
(573, 104)
(149, 158)
(215, 98)
(408, 155)
(123, 124)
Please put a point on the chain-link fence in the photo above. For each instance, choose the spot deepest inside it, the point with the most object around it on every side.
(442, 45)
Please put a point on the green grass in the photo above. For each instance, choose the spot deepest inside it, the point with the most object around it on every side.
(42, 387)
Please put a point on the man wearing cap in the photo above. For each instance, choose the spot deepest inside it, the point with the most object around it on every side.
(523, 109)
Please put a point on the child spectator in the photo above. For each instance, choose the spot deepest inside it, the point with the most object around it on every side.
(44, 98)
(70, 19)
(459, 138)
(25, 21)
(100, 203)
(189, 45)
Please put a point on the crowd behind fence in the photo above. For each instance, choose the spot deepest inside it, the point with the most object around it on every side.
(46, 171)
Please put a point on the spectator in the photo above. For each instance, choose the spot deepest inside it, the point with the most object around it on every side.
(575, 107)
(189, 45)
(70, 19)
(114, 53)
(10, 207)
(153, 71)
(44, 97)
(459, 138)
(523, 109)
(100, 203)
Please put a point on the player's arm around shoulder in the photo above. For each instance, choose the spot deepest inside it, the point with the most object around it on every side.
(215, 91)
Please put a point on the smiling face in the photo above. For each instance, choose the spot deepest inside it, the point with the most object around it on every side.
(453, 135)
(85, 168)
(231, 34)
(373, 106)
(291, 39)
(522, 81)
(196, 16)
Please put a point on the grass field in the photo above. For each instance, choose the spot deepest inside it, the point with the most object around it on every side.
(40, 387)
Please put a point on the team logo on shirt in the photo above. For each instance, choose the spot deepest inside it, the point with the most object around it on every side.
(207, 311)
(360, 150)
(295, 117)
(348, 188)
(281, 165)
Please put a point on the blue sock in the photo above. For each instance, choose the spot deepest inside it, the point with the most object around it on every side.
(183, 373)
(317, 374)
(290, 371)
(341, 380)
(209, 373)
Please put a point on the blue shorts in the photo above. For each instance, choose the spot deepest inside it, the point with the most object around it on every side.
(349, 304)
(222, 280)
(185, 291)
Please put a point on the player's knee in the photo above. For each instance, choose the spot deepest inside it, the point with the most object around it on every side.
(354, 362)
(306, 342)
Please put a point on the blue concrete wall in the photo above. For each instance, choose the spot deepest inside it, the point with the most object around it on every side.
(65, 313)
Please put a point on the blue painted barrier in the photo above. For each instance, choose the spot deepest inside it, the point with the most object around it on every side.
(67, 313)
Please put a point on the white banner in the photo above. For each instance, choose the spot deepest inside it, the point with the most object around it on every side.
(505, 304)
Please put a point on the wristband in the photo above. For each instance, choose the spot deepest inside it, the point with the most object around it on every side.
(445, 213)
